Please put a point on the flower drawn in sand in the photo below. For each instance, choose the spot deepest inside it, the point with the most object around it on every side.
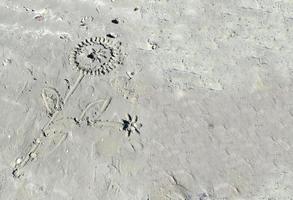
(94, 56)
(131, 125)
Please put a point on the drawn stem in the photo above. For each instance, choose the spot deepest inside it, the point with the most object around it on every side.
(107, 123)
(30, 155)
(73, 88)
(68, 95)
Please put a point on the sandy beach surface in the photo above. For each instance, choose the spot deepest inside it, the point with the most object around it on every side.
(146, 100)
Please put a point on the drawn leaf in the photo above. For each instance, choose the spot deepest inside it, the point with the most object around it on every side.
(94, 110)
(51, 99)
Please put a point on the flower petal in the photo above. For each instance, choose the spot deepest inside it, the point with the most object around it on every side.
(137, 130)
(135, 118)
(129, 117)
(129, 133)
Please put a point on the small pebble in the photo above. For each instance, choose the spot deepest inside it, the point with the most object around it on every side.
(33, 155)
(112, 35)
(16, 173)
(18, 161)
(37, 141)
(39, 18)
(155, 46)
(115, 21)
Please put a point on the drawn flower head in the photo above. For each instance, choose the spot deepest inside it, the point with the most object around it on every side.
(131, 125)
(97, 56)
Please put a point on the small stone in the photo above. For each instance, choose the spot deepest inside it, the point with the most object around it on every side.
(38, 141)
(6, 62)
(33, 155)
(112, 35)
(154, 46)
(115, 21)
(18, 161)
(39, 18)
(16, 173)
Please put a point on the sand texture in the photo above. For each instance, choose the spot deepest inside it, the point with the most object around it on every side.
(146, 99)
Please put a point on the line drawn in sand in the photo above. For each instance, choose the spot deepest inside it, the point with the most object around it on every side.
(130, 124)
(95, 56)
(93, 111)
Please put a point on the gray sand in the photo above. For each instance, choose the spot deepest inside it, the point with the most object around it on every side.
(209, 80)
